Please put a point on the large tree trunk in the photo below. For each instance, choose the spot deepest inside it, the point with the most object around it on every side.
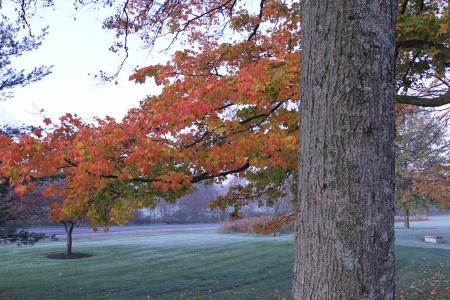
(68, 226)
(345, 234)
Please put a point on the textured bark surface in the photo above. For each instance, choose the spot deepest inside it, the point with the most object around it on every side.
(345, 234)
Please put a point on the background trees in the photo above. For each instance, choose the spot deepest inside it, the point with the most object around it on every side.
(14, 208)
(422, 148)
(14, 43)
(422, 52)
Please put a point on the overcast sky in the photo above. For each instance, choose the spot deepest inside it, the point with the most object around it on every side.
(76, 48)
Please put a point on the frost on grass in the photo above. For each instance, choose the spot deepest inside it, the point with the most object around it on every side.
(414, 236)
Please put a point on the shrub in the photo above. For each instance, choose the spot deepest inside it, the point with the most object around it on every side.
(262, 225)
(411, 218)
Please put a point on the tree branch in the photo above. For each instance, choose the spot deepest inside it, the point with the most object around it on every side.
(255, 29)
(261, 115)
(420, 44)
(206, 175)
(424, 102)
(403, 6)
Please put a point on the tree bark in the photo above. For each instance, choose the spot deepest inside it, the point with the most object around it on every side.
(345, 237)
(68, 226)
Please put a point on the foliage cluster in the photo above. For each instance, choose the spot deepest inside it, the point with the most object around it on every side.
(229, 105)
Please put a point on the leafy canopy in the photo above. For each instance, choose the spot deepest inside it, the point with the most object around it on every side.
(229, 105)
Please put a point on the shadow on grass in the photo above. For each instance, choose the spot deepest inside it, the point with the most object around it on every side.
(71, 256)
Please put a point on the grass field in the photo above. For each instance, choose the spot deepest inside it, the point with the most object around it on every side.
(188, 265)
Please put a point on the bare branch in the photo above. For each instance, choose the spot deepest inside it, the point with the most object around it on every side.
(125, 46)
(206, 175)
(274, 108)
(424, 102)
(255, 29)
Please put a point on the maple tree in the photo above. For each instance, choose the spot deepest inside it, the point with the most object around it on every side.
(181, 159)
(228, 92)
(420, 74)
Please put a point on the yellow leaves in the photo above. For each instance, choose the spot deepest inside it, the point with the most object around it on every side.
(433, 51)
(443, 30)
(221, 129)
(121, 213)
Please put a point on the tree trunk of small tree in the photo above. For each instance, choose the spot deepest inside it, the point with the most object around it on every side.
(345, 237)
(68, 226)
(406, 219)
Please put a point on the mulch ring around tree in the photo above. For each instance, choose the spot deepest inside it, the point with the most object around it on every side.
(72, 256)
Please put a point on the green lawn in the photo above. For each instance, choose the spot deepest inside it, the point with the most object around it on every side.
(187, 265)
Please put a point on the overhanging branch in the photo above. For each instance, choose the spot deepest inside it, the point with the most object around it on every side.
(206, 175)
(421, 44)
(424, 102)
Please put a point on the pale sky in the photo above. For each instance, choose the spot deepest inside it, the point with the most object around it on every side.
(76, 48)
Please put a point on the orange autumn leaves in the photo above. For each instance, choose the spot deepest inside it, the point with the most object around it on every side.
(226, 110)
(228, 107)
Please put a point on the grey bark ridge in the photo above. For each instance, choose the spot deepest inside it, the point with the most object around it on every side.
(345, 238)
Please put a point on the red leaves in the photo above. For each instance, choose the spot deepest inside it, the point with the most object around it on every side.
(47, 121)
(56, 212)
(275, 225)
(49, 191)
(140, 75)
(215, 114)
(20, 190)
(37, 132)
(4, 141)
(171, 181)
